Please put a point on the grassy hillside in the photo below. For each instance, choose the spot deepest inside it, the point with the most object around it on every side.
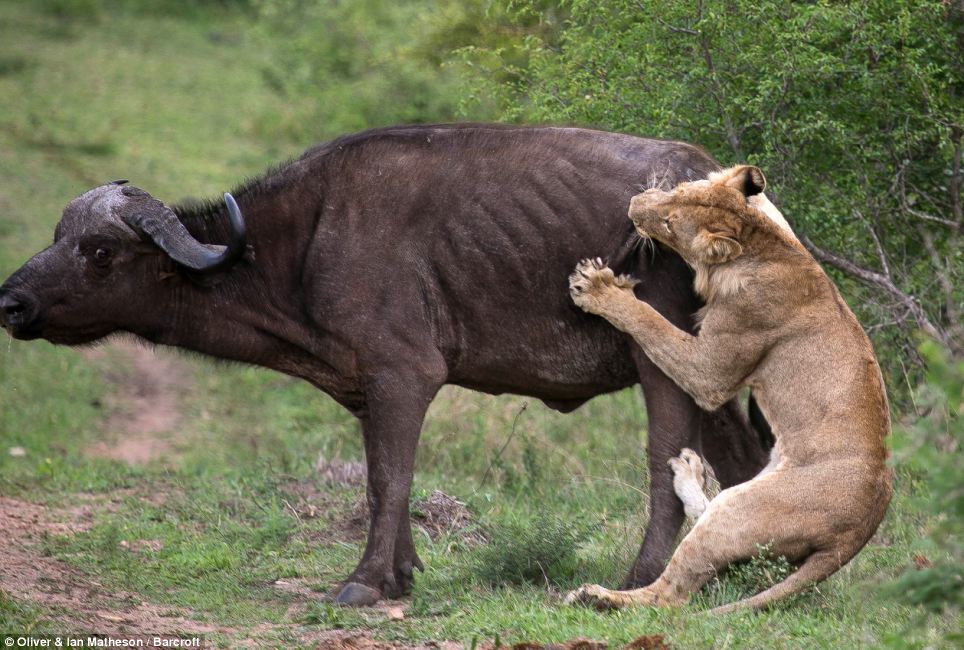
(234, 526)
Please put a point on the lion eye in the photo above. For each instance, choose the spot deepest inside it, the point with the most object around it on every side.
(101, 254)
(666, 224)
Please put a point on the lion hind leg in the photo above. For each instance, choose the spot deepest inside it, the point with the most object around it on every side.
(603, 599)
(689, 482)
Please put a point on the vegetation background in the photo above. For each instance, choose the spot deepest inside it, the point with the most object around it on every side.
(855, 111)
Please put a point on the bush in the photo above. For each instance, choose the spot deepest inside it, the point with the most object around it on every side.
(541, 550)
(745, 579)
(930, 448)
(347, 66)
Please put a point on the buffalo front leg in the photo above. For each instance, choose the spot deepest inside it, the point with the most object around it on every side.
(391, 427)
(406, 560)
(673, 423)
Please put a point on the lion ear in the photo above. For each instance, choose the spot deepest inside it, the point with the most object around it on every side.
(717, 247)
(746, 178)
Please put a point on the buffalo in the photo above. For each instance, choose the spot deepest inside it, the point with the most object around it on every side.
(381, 266)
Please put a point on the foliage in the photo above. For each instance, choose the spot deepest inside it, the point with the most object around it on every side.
(854, 110)
(745, 579)
(540, 550)
(351, 65)
(931, 447)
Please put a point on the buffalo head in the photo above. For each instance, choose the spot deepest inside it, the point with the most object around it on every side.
(112, 244)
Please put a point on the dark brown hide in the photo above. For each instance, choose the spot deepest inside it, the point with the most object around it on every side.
(389, 263)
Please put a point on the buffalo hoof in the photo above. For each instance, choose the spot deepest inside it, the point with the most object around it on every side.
(355, 594)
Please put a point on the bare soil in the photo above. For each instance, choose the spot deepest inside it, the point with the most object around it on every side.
(142, 410)
(142, 406)
(85, 605)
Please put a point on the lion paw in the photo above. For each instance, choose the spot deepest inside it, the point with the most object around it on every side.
(592, 280)
(593, 596)
(689, 482)
(690, 466)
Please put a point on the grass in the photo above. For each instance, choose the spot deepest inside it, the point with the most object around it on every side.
(179, 105)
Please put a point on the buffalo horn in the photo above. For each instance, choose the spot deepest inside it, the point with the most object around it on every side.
(166, 230)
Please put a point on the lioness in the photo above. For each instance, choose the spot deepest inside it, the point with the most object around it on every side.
(775, 322)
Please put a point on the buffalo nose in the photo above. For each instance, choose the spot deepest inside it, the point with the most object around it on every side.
(10, 307)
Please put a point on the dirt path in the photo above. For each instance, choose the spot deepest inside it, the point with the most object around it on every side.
(85, 605)
(142, 410)
(142, 425)
(143, 405)
(81, 606)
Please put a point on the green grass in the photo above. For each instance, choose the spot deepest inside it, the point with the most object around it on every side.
(179, 105)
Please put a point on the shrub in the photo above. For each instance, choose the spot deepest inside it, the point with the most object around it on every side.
(748, 578)
(930, 447)
(540, 550)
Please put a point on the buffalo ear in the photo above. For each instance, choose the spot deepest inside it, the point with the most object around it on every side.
(717, 247)
(746, 178)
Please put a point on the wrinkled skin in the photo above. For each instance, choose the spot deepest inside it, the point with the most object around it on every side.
(392, 262)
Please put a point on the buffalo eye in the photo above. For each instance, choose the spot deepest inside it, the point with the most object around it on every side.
(102, 255)
(98, 251)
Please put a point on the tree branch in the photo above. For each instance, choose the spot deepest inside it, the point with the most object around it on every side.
(881, 255)
(941, 270)
(678, 30)
(954, 187)
(900, 185)
(731, 135)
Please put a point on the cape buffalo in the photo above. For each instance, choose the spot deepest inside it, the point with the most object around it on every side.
(382, 265)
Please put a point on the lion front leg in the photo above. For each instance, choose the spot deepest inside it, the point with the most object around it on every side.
(596, 289)
(710, 367)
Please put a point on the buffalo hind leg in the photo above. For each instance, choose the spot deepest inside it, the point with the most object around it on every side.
(731, 446)
(396, 406)
(673, 423)
(735, 449)
(674, 420)
(667, 407)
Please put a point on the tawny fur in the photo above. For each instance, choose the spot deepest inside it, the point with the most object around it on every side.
(775, 322)
(690, 478)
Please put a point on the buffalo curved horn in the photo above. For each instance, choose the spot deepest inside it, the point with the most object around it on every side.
(170, 235)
